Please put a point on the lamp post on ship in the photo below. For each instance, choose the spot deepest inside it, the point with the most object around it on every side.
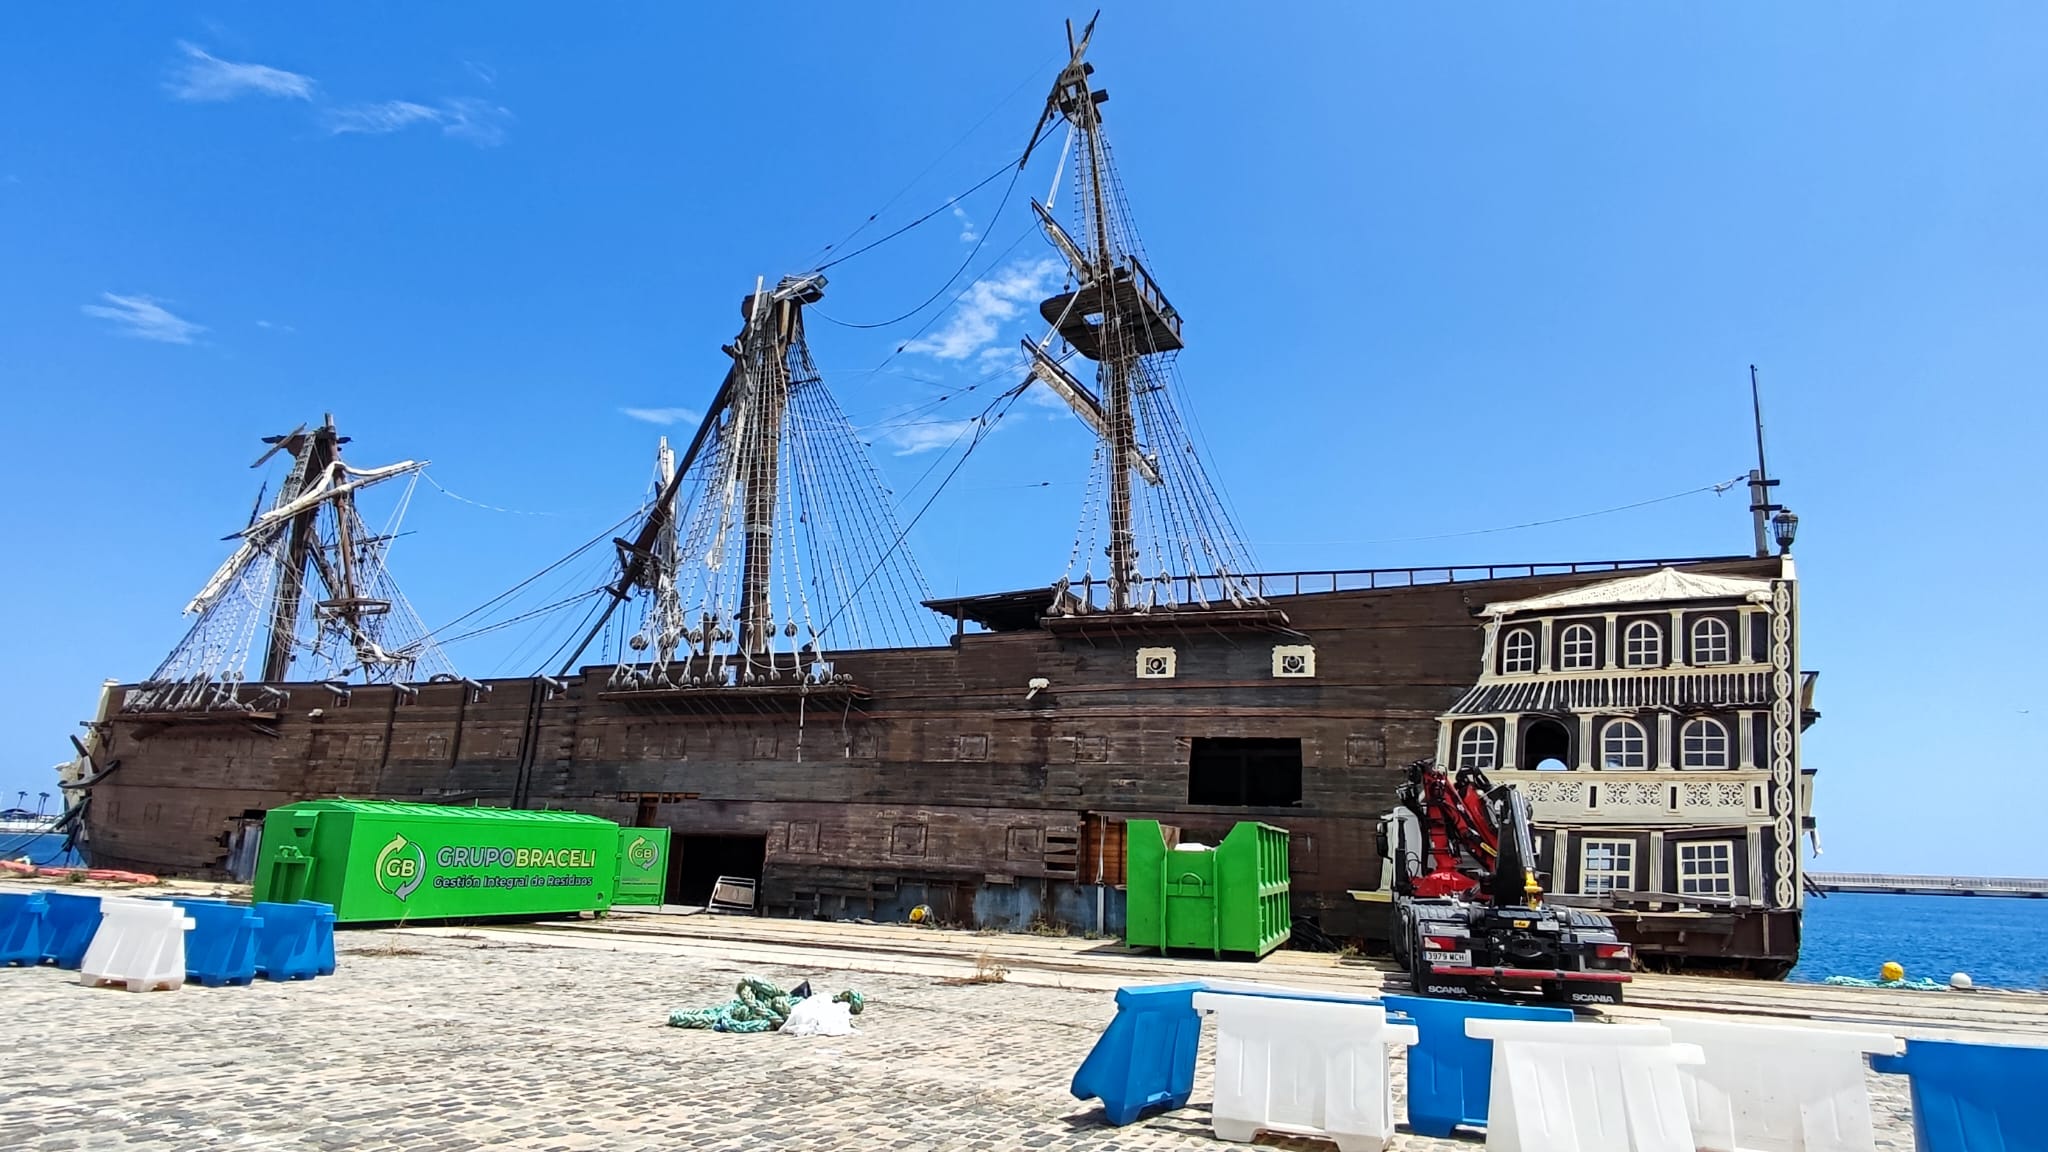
(1785, 526)
(42, 802)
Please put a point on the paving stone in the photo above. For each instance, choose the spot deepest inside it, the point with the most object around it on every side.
(452, 1044)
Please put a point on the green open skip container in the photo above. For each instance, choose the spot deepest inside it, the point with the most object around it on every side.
(380, 861)
(1230, 898)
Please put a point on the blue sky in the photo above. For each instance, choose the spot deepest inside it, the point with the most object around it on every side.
(1441, 271)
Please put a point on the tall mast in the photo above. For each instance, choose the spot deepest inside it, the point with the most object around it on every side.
(313, 453)
(310, 537)
(1080, 105)
(1117, 316)
(772, 326)
(768, 537)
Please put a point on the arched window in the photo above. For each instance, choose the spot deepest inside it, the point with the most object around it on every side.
(1478, 747)
(1710, 641)
(1546, 746)
(1578, 650)
(1642, 646)
(1703, 743)
(1518, 652)
(1623, 744)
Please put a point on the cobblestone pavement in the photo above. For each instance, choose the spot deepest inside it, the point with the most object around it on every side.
(442, 1043)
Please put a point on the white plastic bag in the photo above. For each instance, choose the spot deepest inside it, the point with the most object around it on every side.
(819, 1016)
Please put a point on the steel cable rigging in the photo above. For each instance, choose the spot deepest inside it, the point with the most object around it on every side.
(979, 241)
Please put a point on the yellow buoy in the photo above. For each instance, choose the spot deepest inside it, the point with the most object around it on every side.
(1891, 971)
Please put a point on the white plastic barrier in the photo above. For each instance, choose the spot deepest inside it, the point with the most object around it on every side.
(1566, 1086)
(140, 944)
(1767, 1088)
(1308, 1068)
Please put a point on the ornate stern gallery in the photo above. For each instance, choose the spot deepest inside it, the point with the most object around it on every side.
(1654, 723)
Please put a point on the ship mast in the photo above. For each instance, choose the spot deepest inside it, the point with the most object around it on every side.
(1116, 315)
(311, 535)
(769, 540)
(776, 323)
(312, 455)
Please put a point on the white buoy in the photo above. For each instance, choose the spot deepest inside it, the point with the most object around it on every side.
(1961, 982)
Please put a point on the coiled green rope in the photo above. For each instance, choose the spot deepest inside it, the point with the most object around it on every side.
(757, 1006)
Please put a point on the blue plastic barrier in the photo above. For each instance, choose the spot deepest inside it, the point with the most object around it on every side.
(24, 926)
(1146, 1057)
(220, 947)
(323, 937)
(1973, 1097)
(295, 941)
(1450, 1075)
(72, 922)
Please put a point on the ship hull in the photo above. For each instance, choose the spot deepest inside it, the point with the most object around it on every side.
(944, 779)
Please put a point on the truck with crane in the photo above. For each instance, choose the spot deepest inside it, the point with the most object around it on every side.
(1469, 916)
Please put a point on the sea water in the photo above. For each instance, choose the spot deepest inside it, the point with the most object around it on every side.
(2001, 942)
(38, 848)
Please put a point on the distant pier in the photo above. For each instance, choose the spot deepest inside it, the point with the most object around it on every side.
(1928, 885)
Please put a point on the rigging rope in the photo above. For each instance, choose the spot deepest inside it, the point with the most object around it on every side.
(979, 241)
(580, 549)
(1034, 74)
(1009, 165)
(983, 426)
(481, 504)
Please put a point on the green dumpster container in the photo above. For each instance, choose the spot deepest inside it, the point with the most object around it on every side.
(382, 860)
(643, 866)
(1230, 898)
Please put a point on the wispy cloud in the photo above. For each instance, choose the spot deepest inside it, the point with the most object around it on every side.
(999, 356)
(275, 327)
(977, 321)
(204, 77)
(481, 71)
(664, 415)
(967, 233)
(143, 318)
(478, 121)
(379, 118)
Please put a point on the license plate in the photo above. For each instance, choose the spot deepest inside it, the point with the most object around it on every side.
(1455, 959)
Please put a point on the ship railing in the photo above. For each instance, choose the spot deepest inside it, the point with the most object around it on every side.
(1219, 588)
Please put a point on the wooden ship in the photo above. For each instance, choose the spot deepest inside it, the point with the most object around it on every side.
(767, 675)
